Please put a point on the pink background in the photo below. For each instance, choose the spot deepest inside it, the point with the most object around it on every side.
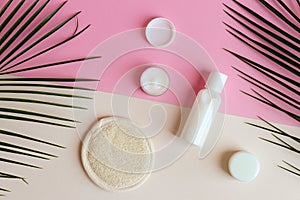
(200, 20)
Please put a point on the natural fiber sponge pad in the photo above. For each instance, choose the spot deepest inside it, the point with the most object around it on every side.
(244, 166)
(116, 154)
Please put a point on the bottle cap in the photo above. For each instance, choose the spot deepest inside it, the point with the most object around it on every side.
(216, 81)
(244, 166)
(154, 81)
(160, 32)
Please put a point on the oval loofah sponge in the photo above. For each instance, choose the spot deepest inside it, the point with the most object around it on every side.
(116, 155)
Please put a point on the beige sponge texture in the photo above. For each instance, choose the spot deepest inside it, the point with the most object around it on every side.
(116, 155)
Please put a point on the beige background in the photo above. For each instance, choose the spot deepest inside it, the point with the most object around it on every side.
(188, 178)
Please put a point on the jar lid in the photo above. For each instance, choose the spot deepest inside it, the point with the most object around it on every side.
(160, 32)
(154, 81)
(244, 166)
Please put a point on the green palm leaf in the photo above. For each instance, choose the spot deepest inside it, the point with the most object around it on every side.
(280, 16)
(11, 15)
(23, 136)
(31, 34)
(279, 55)
(52, 47)
(267, 22)
(26, 149)
(3, 9)
(269, 73)
(18, 163)
(274, 92)
(274, 131)
(14, 26)
(40, 39)
(5, 190)
(42, 86)
(27, 119)
(272, 58)
(5, 175)
(43, 93)
(7, 150)
(264, 100)
(289, 10)
(49, 65)
(297, 172)
(263, 29)
(24, 112)
(270, 50)
(274, 44)
(67, 80)
(21, 30)
(20, 100)
(12, 62)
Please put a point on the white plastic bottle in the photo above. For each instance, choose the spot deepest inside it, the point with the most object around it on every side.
(204, 110)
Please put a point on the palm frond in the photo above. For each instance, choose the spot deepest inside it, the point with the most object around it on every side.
(278, 144)
(49, 65)
(5, 175)
(263, 29)
(262, 99)
(273, 126)
(32, 101)
(16, 24)
(288, 170)
(274, 44)
(40, 39)
(270, 92)
(291, 166)
(5, 190)
(7, 150)
(280, 16)
(26, 149)
(270, 24)
(280, 56)
(31, 34)
(23, 27)
(11, 15)
(274, 92)
(42, 86)
(25, 137)
(275, 130)
(43, 93)
(289, 10)
(50, 48)
(273, 75)
(272, 58)
(35, 114)
(10, 176)
(4, 8)
(292, 148)
(28, 119)
(18, 163)
(268, 49)
(67, 80)
(13, 48)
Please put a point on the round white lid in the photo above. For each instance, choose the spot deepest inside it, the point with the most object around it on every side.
(160, 32)
(244, 166)
(154, 81)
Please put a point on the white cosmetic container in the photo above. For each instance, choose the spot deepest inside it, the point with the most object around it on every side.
(244, 166)
(154, 81)
(204, 109)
